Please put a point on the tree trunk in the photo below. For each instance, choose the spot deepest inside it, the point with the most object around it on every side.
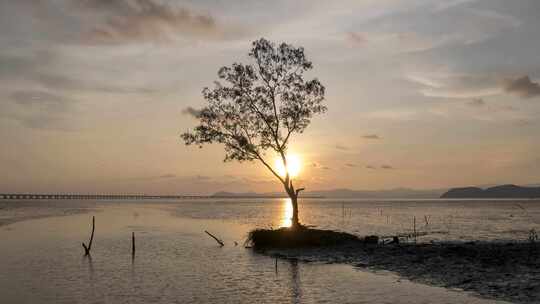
(295, 223)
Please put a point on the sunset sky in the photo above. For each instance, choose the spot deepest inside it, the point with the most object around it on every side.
(422, 94)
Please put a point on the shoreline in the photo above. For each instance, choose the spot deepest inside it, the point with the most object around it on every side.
(498, 270)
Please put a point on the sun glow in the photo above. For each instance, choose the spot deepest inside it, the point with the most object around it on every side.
(287, 212)
(293, 165)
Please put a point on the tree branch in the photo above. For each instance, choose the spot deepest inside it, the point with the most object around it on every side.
(288, 135)
(269, 167)
(272, 89)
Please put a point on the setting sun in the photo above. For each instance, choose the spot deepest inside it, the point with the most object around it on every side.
(294, 165)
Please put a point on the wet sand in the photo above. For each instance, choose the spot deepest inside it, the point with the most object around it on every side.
(507, 271)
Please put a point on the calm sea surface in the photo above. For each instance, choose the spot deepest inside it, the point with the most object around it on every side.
(41, 257)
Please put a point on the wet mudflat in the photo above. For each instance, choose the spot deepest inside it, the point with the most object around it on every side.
(42, 260)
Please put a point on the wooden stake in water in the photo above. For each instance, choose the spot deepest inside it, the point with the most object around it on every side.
(133, 244)
(414, 228)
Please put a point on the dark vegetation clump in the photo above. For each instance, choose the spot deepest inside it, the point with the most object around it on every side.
(298, 237)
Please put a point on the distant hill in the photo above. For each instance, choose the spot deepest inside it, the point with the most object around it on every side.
(503, 191)
(346, 193)
(382, 194)
(224, 194)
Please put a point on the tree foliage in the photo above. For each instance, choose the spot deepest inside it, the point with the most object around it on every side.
(257, 107)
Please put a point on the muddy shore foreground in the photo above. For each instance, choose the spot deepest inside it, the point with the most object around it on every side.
(496, 270)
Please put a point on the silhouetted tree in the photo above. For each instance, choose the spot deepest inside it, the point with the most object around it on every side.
(256, 108)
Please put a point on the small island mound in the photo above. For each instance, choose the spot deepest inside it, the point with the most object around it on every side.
(503, 191)
(298, 237)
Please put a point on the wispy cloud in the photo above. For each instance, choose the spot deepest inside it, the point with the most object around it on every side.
(40, 98)
(371, 136)
(448, 84)
(317, 165)
(357, 38)
(523, 87)
(39, 109)
(522, 122)
(165, 176)
(168, 175)
(51, 76)
(191, 111)
(476, 102)
(149, 20)
(374, 167)
(342, 147)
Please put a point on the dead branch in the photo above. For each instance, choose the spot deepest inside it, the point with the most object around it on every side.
(215, 238)
(87, 248)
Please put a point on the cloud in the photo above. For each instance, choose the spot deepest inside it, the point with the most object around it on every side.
(149, 21)
(165, 176)
(45, 69)
(56, 81)
(444, 5)
(477, 102)
(372, 167)
(342, 147)
(190, 111)
(350, 165)
(357, 38)
(38, 109)
(508, 108)
(523, 87)
(168, 175)
(38, 97)
(319, 166)
(522, 122)
(371, 136)
(449, 84)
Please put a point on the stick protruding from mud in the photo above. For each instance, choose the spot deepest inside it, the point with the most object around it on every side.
(132, 244)
(87, 248)
(215, 238)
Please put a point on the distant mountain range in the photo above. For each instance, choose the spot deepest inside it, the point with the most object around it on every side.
(345, 193)
(503, 191)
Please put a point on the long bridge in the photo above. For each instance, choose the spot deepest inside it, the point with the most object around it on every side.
(37, 196)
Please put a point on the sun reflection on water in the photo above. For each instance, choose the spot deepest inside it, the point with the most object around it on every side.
(287, 212)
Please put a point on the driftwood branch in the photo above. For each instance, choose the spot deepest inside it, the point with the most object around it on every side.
(215, 238)
(299, 189)
(87, 248)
